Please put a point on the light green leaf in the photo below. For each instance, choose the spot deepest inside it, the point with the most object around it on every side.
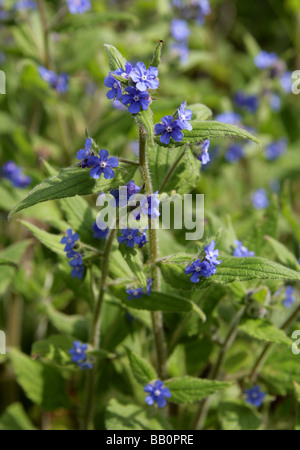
(12, 253)
(133, 259)
(8, 262)
(263, 330)
(145, 119)
(74, 325)
(190, 389)
(157, 55)
(51, 241)
(200, 112)
(55, 348)
(283, 254)
(15, 418)
(141, 369)
(238, 416)
(115, 59)
(74, 181)
(43, 384)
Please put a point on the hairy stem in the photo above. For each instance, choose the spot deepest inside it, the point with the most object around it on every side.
(264, 354)
(157, 319)
(95, 334)
(216, 369)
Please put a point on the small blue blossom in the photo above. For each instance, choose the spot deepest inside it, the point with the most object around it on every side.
(234, 153)
(79, 6)
(77, 272)
(181, 50)
(241, 251)
(180, 30)
(135, 294)
(124, 73)
(185, 115)
(76, 258)
(130, 236)
(59, 82)
(136, 100)
(115, 87)
(211, 254)
(260, 199)
(275, 149)
(229, 117)
(248, 102)
(289, 297)
(100, 233)
(62, 83)
(203, 7)
(103, 165)
(47, 75)
(168, 129)
(78, 355)
(149, 286)
(69, 240)
(116, 104)
(150, 206)
(200, 268)
(84, 154)
(265, 60)
(144, 78)
(14, 174)
(255, 396)
(204, 155)
(143, 239)
(122, 198)
(23, 5)
(157, 393)
(286, 82)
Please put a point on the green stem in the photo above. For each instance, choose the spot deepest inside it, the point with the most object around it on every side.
(95, 334)
(157, 318)
(216, 369)
(128, 161)
(264, 354)
(171, 171)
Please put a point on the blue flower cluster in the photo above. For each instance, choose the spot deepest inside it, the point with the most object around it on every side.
(277, 68)
(205, 267)
(58, 82)
(139, 292)
(289, 297)
(171, 127)
(135, 95)
(100, 233)
(248, 102)
(260, 199)
(14, 174)
(79, 6)
(132, 236)
(75, 258)
(241, 251)
(275, 149)
(234, 153)
(120, 198)
(255, 396)
(158, 393)
(102, 164)
(79, 357)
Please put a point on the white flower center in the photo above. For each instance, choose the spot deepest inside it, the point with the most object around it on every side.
(78, 351)
(169, 129)
(182, 116)
(69, 241)
(136, 98)
(243, 249)
(124, 75)
(103, 164)
(116, 85)
(87, 153)
(129, 237)
(198, 269)
(157, 392)
(144, 78)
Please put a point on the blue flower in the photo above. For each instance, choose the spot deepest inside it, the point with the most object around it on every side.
(124, 73)
(120, 198)
(136, 100)
(14, 174)
(69, 240)
(47, 75)
(144, 79)
(150, 206)
(103, 165)
(79, 6)
(22, 5)
(204, 155)
(255, 396)
(62, 83)
(241, 251)
(77, 272)
(143, 239)
(275, 149)
(76, 258)
(286, 82)
(249, 102)
(78, 355)
(135, 294)
(84, 155)
(100, 233)
(203, 7)
(229, 117)
(289, 297)
(185, 115)
(265, 60)
(200, 268)
(59, 82)
(275, 102)
(149, 286)
(116, 90)
(181, 50)
(260, 199)
(234, 153)
(168, 129)
(130, 236)
(211, 254)
(180, 30)
(157, 393)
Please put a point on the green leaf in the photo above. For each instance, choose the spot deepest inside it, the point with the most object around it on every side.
(145, 119)
(15, 418)
(182, 169)
(51, 241)
(8, 262)
(210, 130)
(73, 181)
(157, 54)
(284, 255)
(12, 253)
(287, 210)
(265, 331)
(141, 369)
(55, 348)
(91, 20)
(161, 301)
(133, 259)
(190, 389)
(238, 416)
(42, 384)
(115, 59)
(200, 112)
(231, 269)
(74, 325)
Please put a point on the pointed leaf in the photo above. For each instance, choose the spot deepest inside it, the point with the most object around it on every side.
(189, 389)
(263, 330)
(141, 369)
